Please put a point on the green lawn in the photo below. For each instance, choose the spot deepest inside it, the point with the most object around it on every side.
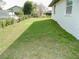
(44, 39)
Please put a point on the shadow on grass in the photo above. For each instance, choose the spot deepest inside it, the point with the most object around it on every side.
(38, 42)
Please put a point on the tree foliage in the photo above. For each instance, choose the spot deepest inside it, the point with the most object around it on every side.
(38, 10)
(27, 9)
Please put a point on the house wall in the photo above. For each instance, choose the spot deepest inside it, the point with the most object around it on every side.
(69, 22)
(4, 14)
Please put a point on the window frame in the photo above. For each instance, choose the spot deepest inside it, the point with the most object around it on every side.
(69, 5)
(54, 8)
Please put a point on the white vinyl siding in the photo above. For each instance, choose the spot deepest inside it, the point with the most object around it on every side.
(70, 21)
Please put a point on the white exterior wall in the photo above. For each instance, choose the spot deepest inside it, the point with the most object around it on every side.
(4, 14)
(69, 22)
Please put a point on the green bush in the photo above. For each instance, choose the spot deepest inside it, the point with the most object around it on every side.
(23, 17)
(3, 22)
(6, 22)
(48, 14)
(10, 21)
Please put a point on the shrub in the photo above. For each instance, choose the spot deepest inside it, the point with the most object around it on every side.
(6, 22)
(23, 17)
(48, 14)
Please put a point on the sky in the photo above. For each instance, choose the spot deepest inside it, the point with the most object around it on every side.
(11, 3)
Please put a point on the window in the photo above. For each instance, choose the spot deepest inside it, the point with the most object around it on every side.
(54, 9)
(69, 7)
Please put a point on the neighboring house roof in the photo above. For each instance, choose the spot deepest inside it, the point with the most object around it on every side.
(53, 2)
(15, 9)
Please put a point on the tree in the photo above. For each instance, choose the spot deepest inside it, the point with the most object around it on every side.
(27, 9)
(42, 9)
(38, 10)
(35, 11)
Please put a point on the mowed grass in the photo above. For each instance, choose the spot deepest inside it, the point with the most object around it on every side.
(10, 33)
(43, 39)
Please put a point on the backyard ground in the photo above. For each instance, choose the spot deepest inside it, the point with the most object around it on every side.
(37, 38)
